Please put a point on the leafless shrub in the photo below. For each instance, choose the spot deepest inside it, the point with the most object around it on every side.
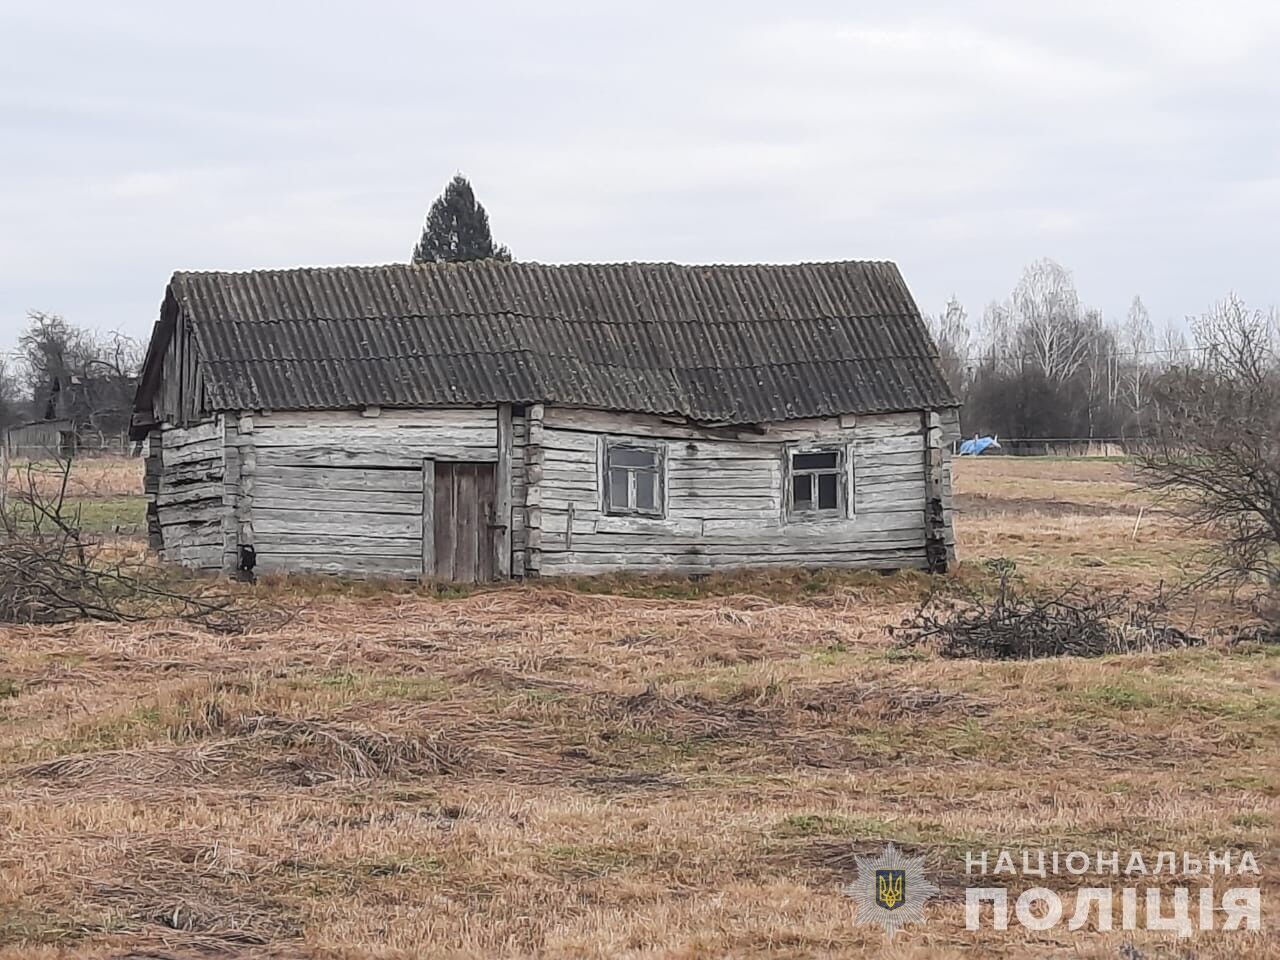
(51, 571)
(1215, 444)
(1023, 623)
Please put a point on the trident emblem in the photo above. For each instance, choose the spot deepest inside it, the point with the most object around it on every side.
(890, 888)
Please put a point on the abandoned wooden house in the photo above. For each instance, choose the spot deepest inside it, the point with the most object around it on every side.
(488, 420)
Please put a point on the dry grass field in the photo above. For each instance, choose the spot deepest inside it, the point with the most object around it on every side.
(624, 768)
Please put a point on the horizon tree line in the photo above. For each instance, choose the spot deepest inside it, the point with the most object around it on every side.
(1041, 364)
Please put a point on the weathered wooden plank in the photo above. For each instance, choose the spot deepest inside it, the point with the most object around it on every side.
(272, 521)
(445, 520)
(583, 474)
(503, 493)
(341, 543)
(206, 451)
(823, 529)
(209, 490)
(198, 511)
(644, 545)
(275, 498)
(603, 562)
(178, 436)
(467, 521)
(883, 460)
(406, 567)
(556, 464)
(913, 444)
(428, 538)
(645, 425)
(405, 480)
(373, 435)
(711, 485)
(404, 456)
(200, 535)
(478, 418)
(641, 526)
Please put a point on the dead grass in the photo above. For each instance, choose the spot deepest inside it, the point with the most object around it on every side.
(92, 478)
(673, 768)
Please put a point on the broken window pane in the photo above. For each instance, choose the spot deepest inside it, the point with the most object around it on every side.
(827, 460)
(828, 496)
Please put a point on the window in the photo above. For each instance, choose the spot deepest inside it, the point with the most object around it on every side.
(633, 479)
(817, 484)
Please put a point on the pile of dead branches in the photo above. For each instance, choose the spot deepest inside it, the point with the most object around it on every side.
(1018, 622)
(51, 571)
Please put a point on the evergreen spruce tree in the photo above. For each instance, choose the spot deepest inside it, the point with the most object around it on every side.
(457, 229)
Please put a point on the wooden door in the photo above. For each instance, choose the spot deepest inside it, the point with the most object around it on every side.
(465, 529)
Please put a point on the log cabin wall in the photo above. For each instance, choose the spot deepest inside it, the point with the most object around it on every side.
(185, 490)
(343, 491)
(725, 494)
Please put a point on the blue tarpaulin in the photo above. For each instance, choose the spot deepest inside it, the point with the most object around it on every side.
(978, 445)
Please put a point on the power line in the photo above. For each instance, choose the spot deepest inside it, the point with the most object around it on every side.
(1118, 354)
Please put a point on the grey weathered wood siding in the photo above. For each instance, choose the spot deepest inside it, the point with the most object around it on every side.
(519, 488)
(950, 418)
(342, 491)
(188, 492)
(724, 493)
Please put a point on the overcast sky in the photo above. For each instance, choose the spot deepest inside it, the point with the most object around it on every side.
(1136, 142)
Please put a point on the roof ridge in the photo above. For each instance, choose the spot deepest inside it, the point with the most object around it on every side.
(517, 264)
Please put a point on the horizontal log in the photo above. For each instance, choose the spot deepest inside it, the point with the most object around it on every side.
(576, 562)
(177, 436)
(386, 455)
(637, 526)
(208, 557)
(370, 434)
(175, 477)
(889, 445)
(206, 451)
(913, 459)
(201, 536)
(469, 417)
(338, 545)
(765, 541)
(198, 511)
(336, 501)
(646, 425)
(209, 490)
(273, 521)
(711, 486)
(403, 480)
(359, 566)
(820, 530)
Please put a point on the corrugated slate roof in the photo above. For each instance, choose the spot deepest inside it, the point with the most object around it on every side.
(739, 344)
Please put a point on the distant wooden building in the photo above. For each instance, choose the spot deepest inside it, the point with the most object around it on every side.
(489, 420)
(40, 439)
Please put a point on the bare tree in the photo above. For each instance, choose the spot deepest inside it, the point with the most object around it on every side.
(1215, 440)
(1052, 327)
(1236, 341)
(951, 332)
(10, 396)
(1138, 343)
(77, 375)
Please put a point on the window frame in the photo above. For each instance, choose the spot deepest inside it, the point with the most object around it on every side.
(841, 471)
(659, 452)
